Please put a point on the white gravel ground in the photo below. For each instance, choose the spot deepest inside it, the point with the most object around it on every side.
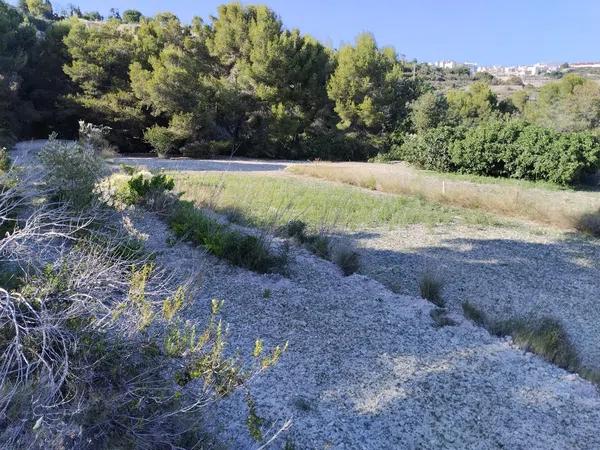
(205, 165)
(506, 272)
(367, 368)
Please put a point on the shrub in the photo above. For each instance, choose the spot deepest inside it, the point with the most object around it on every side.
(430, 149)
(239, 249)
(589, 223)
(162, 139)
(152, 192)
(197, 149)
(71, 171)
(520, 150)
(431, 287)
(93, 135)
(483, 149)
(221, 147)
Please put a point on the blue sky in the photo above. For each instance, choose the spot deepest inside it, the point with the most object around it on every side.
(485, 31)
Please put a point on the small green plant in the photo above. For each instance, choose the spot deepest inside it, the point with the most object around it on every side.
(254, 422)
(266, 293)
(431, 287)
(153, 192)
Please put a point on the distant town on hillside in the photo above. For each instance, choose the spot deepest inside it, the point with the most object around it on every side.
(523, 70)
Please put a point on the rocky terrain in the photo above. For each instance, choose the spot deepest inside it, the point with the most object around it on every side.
(368, 368)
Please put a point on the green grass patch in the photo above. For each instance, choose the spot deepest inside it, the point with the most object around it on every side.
(275, 201)
(239, 249)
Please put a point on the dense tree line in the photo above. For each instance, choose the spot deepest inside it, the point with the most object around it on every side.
(243, 83)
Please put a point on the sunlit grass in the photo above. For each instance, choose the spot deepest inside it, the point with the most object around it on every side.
(265, 200)
(539, 202)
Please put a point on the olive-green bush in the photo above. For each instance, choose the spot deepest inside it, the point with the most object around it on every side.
(430, 149)
(504, 148)
(517, 149)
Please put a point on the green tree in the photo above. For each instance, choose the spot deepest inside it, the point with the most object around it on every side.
(17, 39)
(100, 57)
(429, 111)
(368, 87)
(475, 104)
(38, 8)
(570, 104)
(132, 16)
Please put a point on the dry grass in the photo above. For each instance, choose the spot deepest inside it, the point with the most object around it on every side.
(561, 208)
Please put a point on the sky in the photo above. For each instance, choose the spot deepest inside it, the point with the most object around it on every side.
(502, 32)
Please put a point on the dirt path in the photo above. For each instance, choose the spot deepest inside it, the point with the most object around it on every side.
(205, 165)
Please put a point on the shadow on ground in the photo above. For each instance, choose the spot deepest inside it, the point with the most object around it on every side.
(506, 278)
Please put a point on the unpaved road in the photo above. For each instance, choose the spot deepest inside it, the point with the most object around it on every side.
(205, 165)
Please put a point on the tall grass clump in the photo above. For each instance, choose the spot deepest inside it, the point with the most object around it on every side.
(342, 254)
(589, 223)
(346, 258)
(431, 287)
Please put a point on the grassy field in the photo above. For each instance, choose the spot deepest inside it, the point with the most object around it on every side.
(264, 200)
(542, 203)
